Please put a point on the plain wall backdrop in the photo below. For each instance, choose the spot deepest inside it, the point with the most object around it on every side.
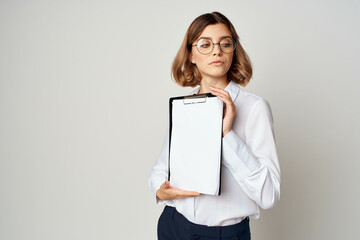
(84, 89)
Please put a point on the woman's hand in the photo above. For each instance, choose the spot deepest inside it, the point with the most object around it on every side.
(167, 192)
(230, 108)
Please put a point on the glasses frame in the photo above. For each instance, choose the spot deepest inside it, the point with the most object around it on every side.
(213, 45)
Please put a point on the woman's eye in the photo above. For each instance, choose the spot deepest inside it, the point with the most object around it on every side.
(204, 45)
(226, 44)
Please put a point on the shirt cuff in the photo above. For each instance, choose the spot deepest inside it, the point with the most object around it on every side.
(237, 157)
(155, 186)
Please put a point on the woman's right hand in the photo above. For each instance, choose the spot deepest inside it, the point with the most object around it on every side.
(167, 192)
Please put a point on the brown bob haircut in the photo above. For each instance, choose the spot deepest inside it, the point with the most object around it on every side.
(186, 74)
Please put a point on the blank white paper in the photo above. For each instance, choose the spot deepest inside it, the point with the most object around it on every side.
(195, 150)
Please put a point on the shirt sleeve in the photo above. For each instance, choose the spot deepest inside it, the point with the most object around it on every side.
(159, 173)
(255, 164)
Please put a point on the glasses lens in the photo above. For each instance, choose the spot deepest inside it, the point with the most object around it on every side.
(227, 45)
(204, 46)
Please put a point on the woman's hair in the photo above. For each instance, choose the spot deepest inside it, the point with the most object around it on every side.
(186, 74)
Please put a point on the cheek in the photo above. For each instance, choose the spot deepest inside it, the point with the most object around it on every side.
(196, 55)
(201, 61)
(230, 58)
(200, 57)
(229, 61)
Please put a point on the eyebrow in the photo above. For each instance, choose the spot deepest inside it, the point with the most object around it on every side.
(222, 37)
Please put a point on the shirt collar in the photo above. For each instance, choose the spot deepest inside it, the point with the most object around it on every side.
(232, 87)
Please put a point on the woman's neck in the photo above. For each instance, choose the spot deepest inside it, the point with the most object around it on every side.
(205, 83)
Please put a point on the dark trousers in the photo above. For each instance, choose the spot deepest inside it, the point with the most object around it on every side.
(174, 226)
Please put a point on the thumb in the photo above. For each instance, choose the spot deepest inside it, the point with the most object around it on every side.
(167, 183)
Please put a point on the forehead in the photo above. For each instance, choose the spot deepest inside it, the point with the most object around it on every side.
(215, 31)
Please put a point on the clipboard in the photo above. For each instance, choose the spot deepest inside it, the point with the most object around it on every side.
(195, 143)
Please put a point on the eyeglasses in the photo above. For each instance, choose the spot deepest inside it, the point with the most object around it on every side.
(205, 45)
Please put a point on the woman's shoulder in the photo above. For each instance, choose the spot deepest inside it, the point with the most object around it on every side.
(251, 104)
(250, 98)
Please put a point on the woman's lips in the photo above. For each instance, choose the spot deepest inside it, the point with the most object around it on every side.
(217, 63)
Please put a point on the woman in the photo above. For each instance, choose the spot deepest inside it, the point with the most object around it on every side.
(211, 56)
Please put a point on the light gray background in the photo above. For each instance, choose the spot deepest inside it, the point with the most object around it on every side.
(84, 88)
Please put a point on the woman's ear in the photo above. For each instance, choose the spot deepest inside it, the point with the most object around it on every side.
(191, 59)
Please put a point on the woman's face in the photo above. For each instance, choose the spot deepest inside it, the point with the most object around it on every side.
(216, 63)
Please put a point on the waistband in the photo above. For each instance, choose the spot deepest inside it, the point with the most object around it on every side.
(208, 231)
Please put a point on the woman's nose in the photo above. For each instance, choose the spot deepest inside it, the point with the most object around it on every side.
(217, 50)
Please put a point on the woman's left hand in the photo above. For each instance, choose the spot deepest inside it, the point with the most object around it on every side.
(229, 111)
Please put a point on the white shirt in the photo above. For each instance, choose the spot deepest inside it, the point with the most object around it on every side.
(250, 174)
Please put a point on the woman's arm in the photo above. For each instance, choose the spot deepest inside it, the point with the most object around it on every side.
(255, 165)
